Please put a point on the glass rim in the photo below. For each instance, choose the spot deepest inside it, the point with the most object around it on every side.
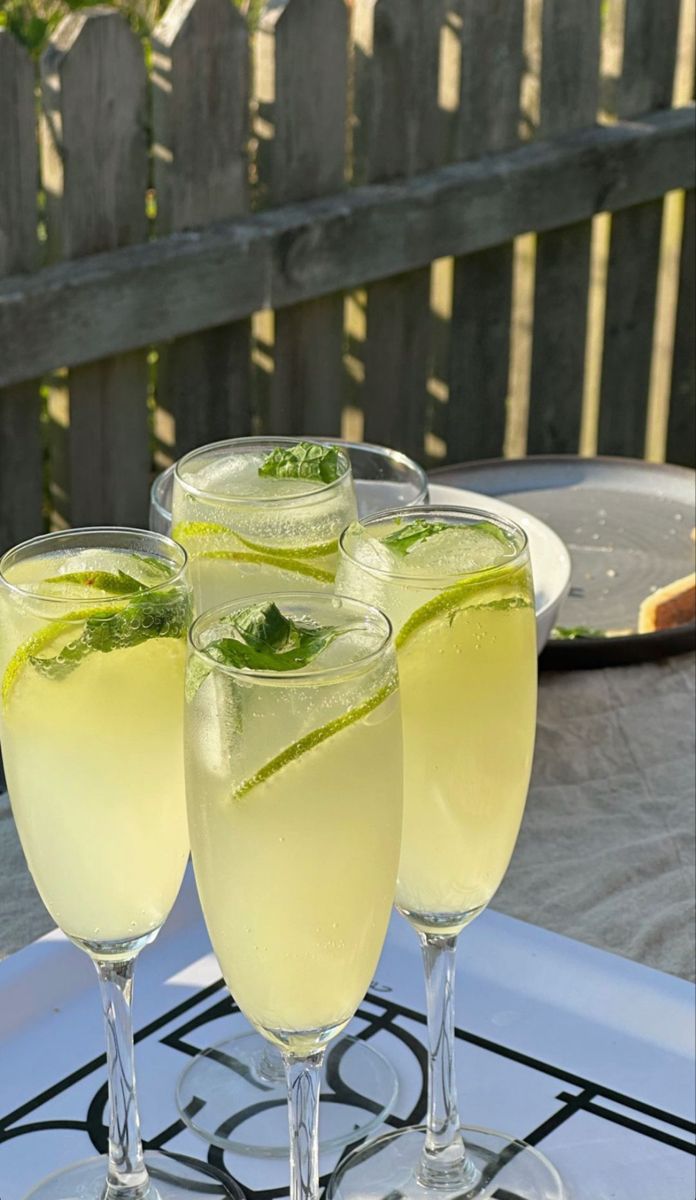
(302, 676)
(432, 510)
(155, 487)
(78, 534)
(261, 501)
(387, 452)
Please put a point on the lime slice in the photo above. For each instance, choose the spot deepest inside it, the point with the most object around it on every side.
(187, 530)
(270, 560)
(469, 592)
(315, 738)
(39, 641)
(197, 529)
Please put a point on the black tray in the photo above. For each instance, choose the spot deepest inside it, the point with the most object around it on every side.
(627, 525)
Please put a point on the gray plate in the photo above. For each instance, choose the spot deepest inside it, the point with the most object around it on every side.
(627, 525)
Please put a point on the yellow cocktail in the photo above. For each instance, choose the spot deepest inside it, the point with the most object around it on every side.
(260, 515)
(93, 630)
(294, 783)
(457, 586)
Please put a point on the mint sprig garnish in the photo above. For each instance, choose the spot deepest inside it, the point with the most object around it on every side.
(152, 614)
(306, 460)
(264, 639)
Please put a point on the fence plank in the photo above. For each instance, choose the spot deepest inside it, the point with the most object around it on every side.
(301, 63)
(491, 73)
(645, 83)
(200, 109)
(133, 297)
(681, 429)
(569, 99)
(398, 45)
(95, 169)
(20, 428)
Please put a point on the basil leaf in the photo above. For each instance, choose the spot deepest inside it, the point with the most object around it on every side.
(155, 614)
(266, 640)
(262, 624)
(306, 460)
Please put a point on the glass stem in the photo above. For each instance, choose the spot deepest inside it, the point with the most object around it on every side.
(444, 1160)
(127, 1174)
(304, 1083)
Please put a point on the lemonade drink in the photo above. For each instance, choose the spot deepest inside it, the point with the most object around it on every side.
(261, 515)
(92, 653)
(459, 592)
(295, 799)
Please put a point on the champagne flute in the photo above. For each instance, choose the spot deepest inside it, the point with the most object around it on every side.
(294, 790)
(92, 651)
(457, 585)
(262, 515)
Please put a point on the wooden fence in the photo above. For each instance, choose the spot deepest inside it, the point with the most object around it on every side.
(449, 225)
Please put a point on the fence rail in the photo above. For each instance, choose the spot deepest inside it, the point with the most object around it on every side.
(339, 238)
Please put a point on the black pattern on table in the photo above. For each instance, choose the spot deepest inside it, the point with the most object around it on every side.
(380, 1017)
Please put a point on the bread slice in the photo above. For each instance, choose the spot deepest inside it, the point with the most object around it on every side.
(669, 606)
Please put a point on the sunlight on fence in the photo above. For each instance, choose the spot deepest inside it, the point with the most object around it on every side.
(455, 227)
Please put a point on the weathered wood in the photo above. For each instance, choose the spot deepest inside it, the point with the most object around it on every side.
(479, 354)
(569, 100)
(20, 429)
(21, 475)
(133, 297)
(491, 73)
(491, 67)
(649, 53)
(681, 429)
(18, 155)
(397, 44)
(645, 84)
(95, 169)
(396, 356)
(302, 79)
(200, 80)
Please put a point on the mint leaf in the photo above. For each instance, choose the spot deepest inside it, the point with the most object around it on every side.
(569, 633)
(266, 640)
(306, 460)
(154, 614)
(159, 564)
(402, 541)
(119, 584)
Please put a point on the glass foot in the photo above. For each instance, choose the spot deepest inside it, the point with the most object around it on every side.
(172, 1177)
(499, 1168)
(234, 1096)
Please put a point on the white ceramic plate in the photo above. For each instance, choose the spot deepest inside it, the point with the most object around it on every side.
(550, 559)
